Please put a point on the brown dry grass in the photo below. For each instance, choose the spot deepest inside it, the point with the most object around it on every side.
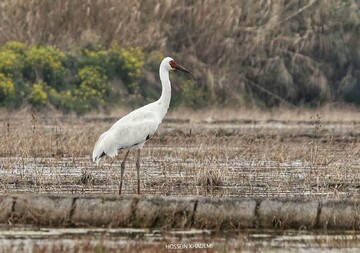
(302, 51)
(327, 113)
(284, 153)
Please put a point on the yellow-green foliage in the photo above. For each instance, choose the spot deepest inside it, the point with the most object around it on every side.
(63, 100)
(133, 61)
(97, 57)
(77, 80)
(7, 88)
(12, 57)
(94, 83)
(92, 89)
(45, 56)
(15, 46)
(45, 62)
(38, 96)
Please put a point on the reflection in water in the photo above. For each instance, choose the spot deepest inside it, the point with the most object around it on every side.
(129, 240)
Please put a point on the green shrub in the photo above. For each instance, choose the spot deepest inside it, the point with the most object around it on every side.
(38, 96)
(78, 80)
(62, 100)
(133, 58)
(15, 46)
(131, 62)
(45, 63)
(12, 56)
(92, 89)
(7, 89)
(94, 83)
(92, 57)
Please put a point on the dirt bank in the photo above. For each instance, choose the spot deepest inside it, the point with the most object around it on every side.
(177, 212)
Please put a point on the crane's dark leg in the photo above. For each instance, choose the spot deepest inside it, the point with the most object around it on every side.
(138, 170)
(122, 171)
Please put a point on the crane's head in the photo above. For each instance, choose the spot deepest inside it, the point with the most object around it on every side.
(170, 64)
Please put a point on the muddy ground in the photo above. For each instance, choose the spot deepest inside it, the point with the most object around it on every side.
(234, 158)
(310, 159)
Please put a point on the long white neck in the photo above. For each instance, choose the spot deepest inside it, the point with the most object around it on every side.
(164, 100)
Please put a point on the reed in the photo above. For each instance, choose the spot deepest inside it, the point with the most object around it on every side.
(305, 52)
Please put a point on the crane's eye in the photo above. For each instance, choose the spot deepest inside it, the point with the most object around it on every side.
(173, 64)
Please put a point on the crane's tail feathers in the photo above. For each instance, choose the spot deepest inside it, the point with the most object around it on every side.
(99, 151)
(96, 158)
(97, 161)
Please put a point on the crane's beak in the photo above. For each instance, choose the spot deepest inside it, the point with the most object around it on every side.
(179, 67)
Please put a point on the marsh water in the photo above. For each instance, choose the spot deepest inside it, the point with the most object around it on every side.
(70, 240)
(246, 159)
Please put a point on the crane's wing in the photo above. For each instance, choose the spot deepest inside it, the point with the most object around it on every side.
(125, 133)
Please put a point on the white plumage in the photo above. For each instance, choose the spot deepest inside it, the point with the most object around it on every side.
(128, 132)
(134, 129)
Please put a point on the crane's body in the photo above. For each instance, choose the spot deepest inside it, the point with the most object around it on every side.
(131, 131)
(134, 129)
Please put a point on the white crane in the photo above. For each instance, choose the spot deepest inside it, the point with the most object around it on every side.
(134, 129)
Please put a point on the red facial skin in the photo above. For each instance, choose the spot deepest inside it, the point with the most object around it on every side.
(174, 65)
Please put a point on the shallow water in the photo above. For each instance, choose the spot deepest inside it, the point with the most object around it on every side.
(176, 175)
(144, 240)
